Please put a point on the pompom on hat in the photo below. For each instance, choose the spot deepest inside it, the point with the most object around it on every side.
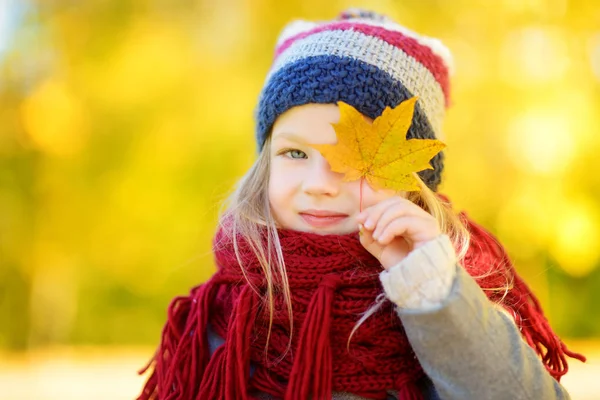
(363, 59)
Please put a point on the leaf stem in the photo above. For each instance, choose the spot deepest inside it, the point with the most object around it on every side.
(362, 178)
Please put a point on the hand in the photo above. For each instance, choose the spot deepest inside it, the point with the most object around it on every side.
(394, 227)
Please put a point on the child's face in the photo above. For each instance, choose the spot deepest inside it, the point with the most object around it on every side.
(304, 193)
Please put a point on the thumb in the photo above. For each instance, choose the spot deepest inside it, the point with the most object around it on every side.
(367, 241)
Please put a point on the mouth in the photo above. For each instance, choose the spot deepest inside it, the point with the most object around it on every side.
(322, 218)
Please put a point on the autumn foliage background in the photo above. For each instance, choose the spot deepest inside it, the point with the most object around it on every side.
(124, 123)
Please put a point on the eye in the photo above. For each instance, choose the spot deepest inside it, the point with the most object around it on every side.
(294, 153)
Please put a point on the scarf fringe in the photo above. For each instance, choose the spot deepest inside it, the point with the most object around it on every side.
(311, 374)
(232, 359)
(529, 315)
(409, 390)
(183, 354)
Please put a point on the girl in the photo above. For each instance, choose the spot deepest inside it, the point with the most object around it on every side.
(333, 289)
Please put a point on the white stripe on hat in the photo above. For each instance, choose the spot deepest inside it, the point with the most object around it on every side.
(437, 47)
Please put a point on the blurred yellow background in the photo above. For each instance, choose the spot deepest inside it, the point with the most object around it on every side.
(123, 123)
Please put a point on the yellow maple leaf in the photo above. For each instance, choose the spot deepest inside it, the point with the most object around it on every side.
(379, 151)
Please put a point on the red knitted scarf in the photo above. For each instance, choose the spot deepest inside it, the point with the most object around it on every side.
(333, 279)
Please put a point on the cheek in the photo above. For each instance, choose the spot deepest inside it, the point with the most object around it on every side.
(273, 189)
(371, 197)
(280, 187)
(285, 177)
(275, 199)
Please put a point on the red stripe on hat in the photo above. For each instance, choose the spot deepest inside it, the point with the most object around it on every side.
(423, 54)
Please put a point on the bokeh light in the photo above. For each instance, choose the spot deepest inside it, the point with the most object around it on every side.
(541, 142)
(54, 119)
(577, 228)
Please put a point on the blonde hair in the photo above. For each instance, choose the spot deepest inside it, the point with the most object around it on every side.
(248, 211)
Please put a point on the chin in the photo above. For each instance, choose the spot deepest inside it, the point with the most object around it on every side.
(334, 230)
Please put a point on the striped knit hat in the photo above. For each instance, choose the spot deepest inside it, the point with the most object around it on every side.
(363, 59)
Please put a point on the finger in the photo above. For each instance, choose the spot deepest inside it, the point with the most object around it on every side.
(366, 239)
(373, 213)
(398, 227)
(393, 212)
(398, 210)
(399, 207)
(364, 215)
(413, 228)
(366, 236)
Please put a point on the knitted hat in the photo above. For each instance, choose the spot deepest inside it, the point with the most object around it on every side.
(363, 59)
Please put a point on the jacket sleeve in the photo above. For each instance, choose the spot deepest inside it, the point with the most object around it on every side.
(469, 347)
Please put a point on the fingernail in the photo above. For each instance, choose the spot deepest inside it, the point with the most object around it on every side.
(369, 224)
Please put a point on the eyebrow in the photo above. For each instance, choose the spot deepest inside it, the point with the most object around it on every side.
(290, 136)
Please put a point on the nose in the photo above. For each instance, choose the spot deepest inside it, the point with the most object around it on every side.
(320, 179)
